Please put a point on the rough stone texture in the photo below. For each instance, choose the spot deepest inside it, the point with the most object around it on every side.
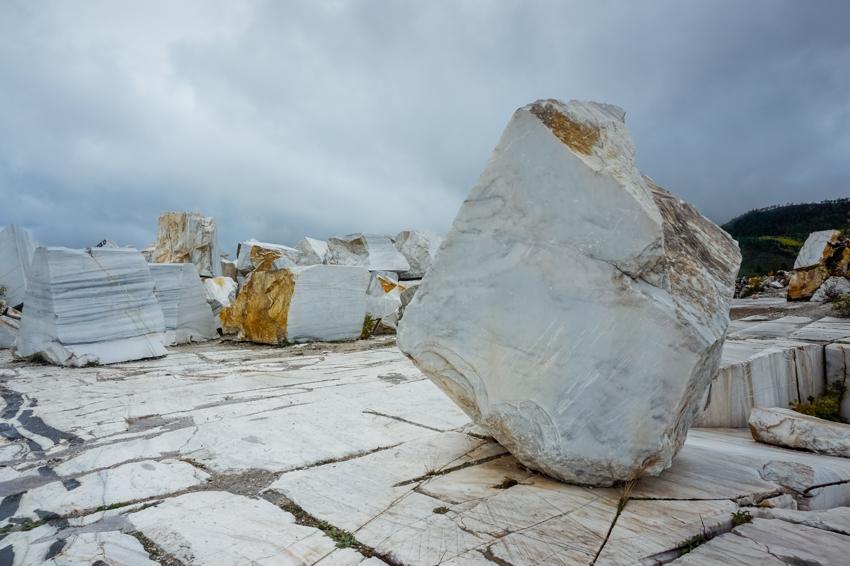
(9, 328)
(188, 237)
(831, 288)
(16, 250)
(374, 252)
(816, 248)
(181, 294)
(299, 304)
(591, 374)
(313, 251)
(784, 427)
(355, 436)
(94, 306)
(761, 373)
(419, 249)
(383, 300)
(220, 292)
(252, 255)
(228, 269)
(805, 282)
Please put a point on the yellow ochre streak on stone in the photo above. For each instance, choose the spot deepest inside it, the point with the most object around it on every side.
(577, 136)
(261, 308)
(263, 258)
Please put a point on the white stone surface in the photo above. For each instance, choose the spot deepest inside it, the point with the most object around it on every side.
(182, 296)
(219, 292)
(188, 237)
(313, 251)
(8, 332)
(761, 373)
(372, 251)
(93, 306)
(784, 427)
(329, 303)
(826, 329)
(831, 288)
(812, 252)
(594, 373)
(782, 327)
(837, 361)
(221, 529)
(419, 249)
(16, 251)
(251, 255)
(383, 299)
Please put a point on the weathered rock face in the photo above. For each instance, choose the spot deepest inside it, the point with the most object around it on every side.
(824, 255)
(8, 332)
(832, 288)
(228, 269)
(252, 255)
(419, 249)
(94, 306)
(784, 427)
(188, 237)
(313, 251)
(591, 373)
(383, 302)
(188, 317)
(375, 253)
(299, 304)
(16, 250)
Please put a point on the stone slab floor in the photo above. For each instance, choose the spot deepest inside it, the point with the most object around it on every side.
(231, 454)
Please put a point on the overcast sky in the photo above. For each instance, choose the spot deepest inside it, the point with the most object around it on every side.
(283, 119)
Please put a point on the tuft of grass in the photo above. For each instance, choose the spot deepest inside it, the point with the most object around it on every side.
(741, 517)
(841, 306)
(440, 510)
(369, 325)
(827, 406)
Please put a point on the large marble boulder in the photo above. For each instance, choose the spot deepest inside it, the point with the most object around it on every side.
(313, 251)
(252, 255)
(419, 249)
(374, 252)
(93, 306)
(784, 427)
(594, 304)
(16, 250)
(824, 255)
(180, 292)
(188, 237)
(299, 304)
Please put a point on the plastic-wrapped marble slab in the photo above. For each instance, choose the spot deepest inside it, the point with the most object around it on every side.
(94, 306)
(188, 237)
(419, 249)
(300, 304)
(188, 316)
(760, 373)
(313, 251)
(262, 256)
(372, 251)
(16, 250)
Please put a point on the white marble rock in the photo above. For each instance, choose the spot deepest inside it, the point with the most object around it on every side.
(16, 251)
(9, 328)
(591, 373)
(94, 306)
(220, 292)
(374, 252)
(419, 249)
(313, 251)
(188, 237)
(832, 287)
(790, 429)
(182, 296)
(813, 250)
(252, 254)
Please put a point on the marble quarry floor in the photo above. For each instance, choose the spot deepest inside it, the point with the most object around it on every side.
(232, 454)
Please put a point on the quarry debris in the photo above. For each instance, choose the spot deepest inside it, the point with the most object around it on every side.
(299, 304)
(93, 306)
(824, 255)
(784, 427)
(182, 297)
(525, 349)
(188, 237)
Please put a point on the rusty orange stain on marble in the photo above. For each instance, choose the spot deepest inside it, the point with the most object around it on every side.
(261, 309)
(579, 137)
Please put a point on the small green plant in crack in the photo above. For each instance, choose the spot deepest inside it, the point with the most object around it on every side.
(441, 510)
(741, 517)
(698, 539)
(506, 483)
(343, 539)
(827, 406)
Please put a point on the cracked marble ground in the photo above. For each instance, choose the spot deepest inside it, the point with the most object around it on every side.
(223, 453)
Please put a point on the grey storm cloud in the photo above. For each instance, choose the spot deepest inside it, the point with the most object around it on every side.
(284, 119)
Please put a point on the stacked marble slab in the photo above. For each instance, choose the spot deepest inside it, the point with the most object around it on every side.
(188, 316)
(94, 306)
(299, 304)
(16, 250)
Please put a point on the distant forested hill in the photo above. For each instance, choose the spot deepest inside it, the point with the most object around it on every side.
(771, 237)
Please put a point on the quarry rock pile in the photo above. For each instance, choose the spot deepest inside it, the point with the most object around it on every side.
(824, 255)
(93, 306)
(374, 252)
(591, 373)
